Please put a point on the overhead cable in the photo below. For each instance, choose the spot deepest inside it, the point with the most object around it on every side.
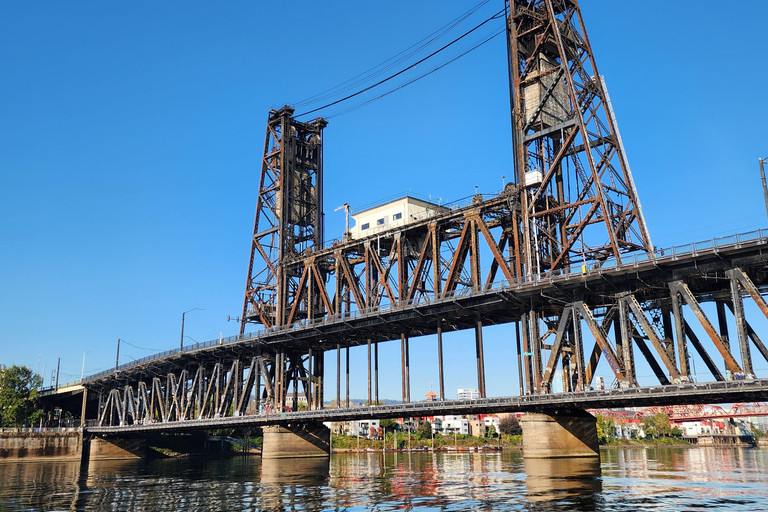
(416, 79)
(400, 57)
(380, 82)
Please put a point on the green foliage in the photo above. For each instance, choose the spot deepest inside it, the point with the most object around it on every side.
(389, 424)
(658, 425)
(18, 396)
(510, 426)
(606, 429)
(424, 431)
(490, 431)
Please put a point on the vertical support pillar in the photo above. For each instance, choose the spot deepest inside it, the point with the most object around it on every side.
(257, 384)
(721, 320)
(100, 407)
(480, 357)
(370, 391)
(578, 346)
(376, 369)
(682, 346)
(440, 358)
(406, 366)
(741, 324)
(347, 370)
(623, 333)
(527, 355)
(320, 378)
(296, 366)
(666, 319)
(519, 359)
(309, 387)
(82, 410)
(535, 341)
(338, 375)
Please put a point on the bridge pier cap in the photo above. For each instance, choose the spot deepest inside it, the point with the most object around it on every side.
(559, 433)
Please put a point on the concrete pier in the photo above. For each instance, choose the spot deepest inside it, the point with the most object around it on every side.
(115, 448)
(292, 441)
(561, 433)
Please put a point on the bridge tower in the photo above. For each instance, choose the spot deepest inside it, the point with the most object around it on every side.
(576, 200)
(288, 226)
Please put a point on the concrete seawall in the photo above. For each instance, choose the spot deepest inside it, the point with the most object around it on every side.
(41, 445)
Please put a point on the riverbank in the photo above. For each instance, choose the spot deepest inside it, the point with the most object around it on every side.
(666, 442)
(342, 444)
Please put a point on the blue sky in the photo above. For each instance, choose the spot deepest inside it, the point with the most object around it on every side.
(131, 137)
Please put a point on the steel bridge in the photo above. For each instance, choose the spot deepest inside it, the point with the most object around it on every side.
(563, 254)
(220, 380)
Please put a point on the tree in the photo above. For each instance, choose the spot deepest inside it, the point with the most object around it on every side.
(424, 431)
(657, 425)
(18, 396)
(509, 426)
(388, 423)
(606, 428)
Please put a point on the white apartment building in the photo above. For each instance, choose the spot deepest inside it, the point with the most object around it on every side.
(360, 428)
(467, 394)
(448, 425)
(391, 215)
(492, 421)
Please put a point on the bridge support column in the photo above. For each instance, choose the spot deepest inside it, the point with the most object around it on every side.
(559, 433)
(296, 441)
(115, 448)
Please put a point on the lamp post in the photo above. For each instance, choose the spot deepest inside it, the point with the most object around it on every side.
(762, 162)
(181, 344)
(82, 371)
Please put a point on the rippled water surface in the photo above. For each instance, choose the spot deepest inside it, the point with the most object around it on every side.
(625, 479)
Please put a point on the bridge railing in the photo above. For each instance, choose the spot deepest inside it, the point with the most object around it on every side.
(611, 264)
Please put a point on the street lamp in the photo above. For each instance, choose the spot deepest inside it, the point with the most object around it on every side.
(762, 162)
(82, 371)
(181, 345)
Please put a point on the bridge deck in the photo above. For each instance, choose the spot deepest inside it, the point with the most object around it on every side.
(710, 392)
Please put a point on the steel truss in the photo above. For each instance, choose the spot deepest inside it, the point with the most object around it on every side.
(654, 324)
(578, 200)
(233, 383)
(567, 329)
(699, 412)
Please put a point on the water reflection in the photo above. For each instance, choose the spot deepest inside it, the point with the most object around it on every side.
(627, 479)
(556, 479)
(306, 471)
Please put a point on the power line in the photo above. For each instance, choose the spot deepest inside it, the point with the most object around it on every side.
(416, 79)
(134, 346)
(375, 71)
(362, 91)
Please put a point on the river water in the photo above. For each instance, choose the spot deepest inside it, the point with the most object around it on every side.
(625, 479)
